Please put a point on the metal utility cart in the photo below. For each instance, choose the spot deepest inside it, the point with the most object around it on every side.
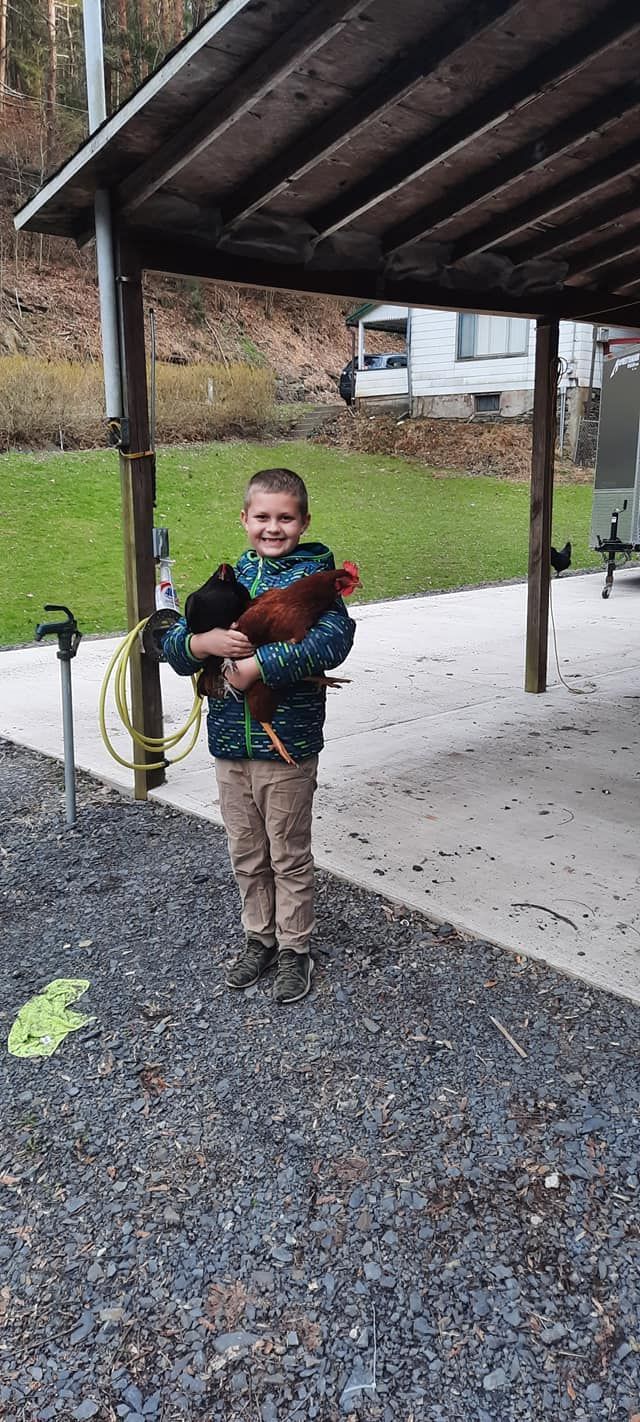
(615, 518)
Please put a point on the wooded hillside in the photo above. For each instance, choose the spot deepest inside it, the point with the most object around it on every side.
(48, 294)
(42, 55)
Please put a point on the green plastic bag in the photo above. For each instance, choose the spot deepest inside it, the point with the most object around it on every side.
(44, 1021)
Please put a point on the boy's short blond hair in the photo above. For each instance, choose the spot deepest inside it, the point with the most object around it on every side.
(278, 481)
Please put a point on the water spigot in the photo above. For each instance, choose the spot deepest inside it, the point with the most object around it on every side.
(66, 632)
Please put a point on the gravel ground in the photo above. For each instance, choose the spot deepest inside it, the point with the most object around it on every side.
(367, 1205)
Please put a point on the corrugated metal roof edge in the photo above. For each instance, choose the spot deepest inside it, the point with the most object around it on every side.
(360, 311)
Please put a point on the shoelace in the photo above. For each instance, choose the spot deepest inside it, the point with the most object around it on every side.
(289, 969)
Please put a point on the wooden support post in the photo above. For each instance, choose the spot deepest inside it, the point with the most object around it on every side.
(137, 482)
(544, 436)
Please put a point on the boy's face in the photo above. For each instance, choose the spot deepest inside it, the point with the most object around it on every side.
(274, 523)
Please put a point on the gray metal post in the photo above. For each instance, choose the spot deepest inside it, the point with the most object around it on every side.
(97, 105)
(108, 306)
(68, 642)
(67, 736)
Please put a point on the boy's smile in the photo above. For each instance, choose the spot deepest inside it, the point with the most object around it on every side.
(274, 523)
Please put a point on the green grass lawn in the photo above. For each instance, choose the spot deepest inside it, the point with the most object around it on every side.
(410, 532)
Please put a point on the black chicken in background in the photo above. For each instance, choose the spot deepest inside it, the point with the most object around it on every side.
(561, 559)
(219, 602)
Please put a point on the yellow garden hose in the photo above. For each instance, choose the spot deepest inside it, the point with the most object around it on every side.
(118, 668)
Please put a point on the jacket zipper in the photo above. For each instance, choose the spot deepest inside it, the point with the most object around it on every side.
(247, 729)
(252, 589)
(247, 713)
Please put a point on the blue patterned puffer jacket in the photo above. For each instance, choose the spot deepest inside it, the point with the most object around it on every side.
(299, 719)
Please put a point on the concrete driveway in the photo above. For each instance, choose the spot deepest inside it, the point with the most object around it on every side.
(443, 785)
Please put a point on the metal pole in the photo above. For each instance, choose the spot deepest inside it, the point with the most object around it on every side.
(68, 643)
(67, 735)
(94, 63)
(594, 347)
(97, 105)
(408, 337)
(108, 307)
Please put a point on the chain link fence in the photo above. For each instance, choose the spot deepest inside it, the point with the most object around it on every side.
(586, 443)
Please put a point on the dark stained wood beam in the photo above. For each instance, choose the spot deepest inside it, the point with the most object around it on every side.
(542, 456)
(559, 63)
(395, 84)
(623, 275)
(613, 249)
(137, 482)
(498, 176)
(555, 239)
(275, 64)
(544, 205)
(207, 262)
(629, 280)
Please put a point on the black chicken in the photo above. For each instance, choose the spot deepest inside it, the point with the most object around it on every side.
(561, 559)
(219, 602)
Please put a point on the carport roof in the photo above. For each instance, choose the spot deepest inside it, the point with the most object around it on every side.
(389, 318)
(479, 156)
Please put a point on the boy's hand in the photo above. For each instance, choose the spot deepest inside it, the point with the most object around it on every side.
(221, 643)
(242, 676)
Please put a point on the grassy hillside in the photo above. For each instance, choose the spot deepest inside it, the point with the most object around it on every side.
(410, 530)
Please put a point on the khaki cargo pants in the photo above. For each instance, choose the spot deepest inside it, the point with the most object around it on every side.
(266, 809)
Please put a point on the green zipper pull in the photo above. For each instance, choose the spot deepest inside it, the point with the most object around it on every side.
(256, 579)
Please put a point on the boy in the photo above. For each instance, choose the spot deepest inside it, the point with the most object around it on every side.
(265, 803)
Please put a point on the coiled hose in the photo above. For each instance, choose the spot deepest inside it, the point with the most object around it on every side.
(118, 668)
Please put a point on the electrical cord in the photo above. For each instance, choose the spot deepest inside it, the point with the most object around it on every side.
(575, 690)
(118, 668)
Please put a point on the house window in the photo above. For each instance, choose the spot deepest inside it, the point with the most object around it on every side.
(482, 337)
(486, 404)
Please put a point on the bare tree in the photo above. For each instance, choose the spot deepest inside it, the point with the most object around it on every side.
(3, 51)
(51, 93)
(123, 41)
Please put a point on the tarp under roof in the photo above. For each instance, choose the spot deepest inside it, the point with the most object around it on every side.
(479, 156)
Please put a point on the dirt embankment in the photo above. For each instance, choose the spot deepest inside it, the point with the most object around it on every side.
(49, 307)
(499, 449)
(50, 310)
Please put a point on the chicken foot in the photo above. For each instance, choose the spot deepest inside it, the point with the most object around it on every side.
(329, 680)
(277, 743)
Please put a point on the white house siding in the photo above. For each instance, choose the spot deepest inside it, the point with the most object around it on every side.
(444, 385)
(377, 383)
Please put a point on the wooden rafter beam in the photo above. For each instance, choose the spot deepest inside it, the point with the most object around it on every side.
(393, 85)
(557, 238)
(624, 276)
(497, 177)
(602, 254)
(157, 254)
(544, 205)
(272, 66)
(558, 64)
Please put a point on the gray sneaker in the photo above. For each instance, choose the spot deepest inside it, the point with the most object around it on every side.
(250, 964)
(293, 978)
